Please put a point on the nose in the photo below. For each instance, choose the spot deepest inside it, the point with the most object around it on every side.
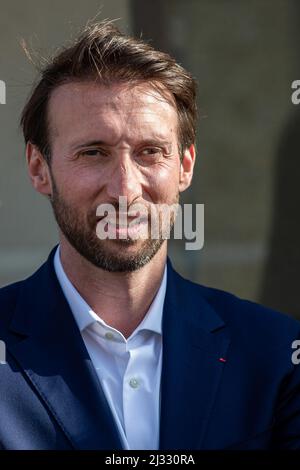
(124, 181)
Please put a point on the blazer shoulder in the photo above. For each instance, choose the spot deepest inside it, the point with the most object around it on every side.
(8, 298)
(9, 294)
(245, 316)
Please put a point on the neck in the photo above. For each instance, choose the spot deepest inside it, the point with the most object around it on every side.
(120, 299)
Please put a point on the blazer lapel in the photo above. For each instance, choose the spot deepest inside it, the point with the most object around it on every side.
(52, 354)
(195, 342)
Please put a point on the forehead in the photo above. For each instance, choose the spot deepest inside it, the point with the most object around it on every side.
(82, 107)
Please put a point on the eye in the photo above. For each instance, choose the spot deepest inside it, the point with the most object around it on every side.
(93, 153)
(151, 151)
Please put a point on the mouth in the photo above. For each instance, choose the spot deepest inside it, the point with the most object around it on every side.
(124, 219)
(125, 226)
(126, 222)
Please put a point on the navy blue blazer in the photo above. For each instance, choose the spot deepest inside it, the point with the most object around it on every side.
(228, 381)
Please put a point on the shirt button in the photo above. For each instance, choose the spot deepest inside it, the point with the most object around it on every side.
(134, 383)
(109, 335)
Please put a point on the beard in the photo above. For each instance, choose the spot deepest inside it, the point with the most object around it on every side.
(110, 255)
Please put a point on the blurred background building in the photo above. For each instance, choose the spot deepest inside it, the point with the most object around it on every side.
(245, 55)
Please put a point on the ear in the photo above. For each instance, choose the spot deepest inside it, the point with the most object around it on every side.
(187, 168)
(38, 170)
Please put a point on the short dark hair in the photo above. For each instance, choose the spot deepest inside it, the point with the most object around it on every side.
(103, 53)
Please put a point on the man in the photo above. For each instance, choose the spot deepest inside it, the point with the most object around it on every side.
(107, 347)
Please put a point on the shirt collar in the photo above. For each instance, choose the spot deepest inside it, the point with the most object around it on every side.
(85, 316)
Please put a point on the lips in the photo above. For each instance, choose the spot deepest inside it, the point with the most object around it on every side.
(124, 223)
(124, 219)
(133, 227)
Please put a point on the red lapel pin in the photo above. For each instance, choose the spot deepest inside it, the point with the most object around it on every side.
(221, 359)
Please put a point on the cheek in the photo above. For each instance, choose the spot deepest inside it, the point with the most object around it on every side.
(164, 185)
(78, 184)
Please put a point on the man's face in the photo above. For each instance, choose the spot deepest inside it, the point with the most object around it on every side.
(108, 142)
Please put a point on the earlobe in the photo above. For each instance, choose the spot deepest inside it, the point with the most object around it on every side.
(38, 170)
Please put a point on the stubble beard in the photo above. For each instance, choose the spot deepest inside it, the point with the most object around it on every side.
(110, 255)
